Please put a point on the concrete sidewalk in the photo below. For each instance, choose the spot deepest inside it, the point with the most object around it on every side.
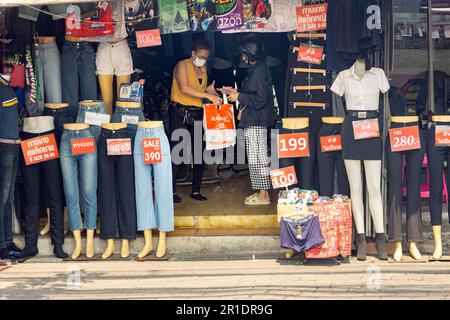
(228, 279)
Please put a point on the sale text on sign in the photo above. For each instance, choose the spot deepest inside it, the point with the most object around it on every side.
(118, 147)
(442, 137)
(312, 18)
(148, 38)
(404, 139)
(284, 177)
(39, 149)
(331, 143)
(293, 145)
(366, 129)
(151, 150)
(83, 146)
(310, 54)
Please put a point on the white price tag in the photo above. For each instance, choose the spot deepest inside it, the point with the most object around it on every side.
(96, 119)
(130, 119)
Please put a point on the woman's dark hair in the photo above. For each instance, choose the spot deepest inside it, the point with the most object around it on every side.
(201, 44)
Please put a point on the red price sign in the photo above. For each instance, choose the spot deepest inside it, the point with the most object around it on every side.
(366, 129)
(148, 38)
(118, 147)
(312, 18)
(282, 178)
(442, 137)
(293, 145)
(310, 54)
(39, 149)
(404, 139)
(83, 146)
(331, 143)
(152, 150)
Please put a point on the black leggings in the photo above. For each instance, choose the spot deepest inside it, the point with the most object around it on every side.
(414, 159)
(331, 162)
(436, 157)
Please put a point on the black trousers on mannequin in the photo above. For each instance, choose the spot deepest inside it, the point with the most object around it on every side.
(330, 163)
(436, 157)
(414, 160)
(116, 189)
(304, 167)
(50, 172)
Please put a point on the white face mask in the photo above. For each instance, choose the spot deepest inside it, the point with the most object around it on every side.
(198, 62)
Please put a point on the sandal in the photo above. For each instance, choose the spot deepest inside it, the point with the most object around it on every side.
(254, 201)
(256, 194)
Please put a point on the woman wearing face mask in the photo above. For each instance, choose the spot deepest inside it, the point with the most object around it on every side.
(189, 90)
(256, 115)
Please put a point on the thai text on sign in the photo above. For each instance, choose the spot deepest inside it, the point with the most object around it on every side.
(442, 137)
(39, 149)
(83, 146)
(310, 54)
(366, 129)
(312, 18)
(119, 147)
(331, 143)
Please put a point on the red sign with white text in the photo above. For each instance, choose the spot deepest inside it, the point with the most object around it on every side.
(293, 145)
(310, 54)
(118, 147)
(442, 137)
(284, 177)
(404, 139)
(148, 38)
(331, 143)
(312, 18)
(151, 148)
(39, 149)
(83, 146)
(366, 129)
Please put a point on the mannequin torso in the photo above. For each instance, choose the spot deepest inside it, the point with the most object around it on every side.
(38, 124)
(295, 123)
(76, 126)
(150, 124)
(333, 120)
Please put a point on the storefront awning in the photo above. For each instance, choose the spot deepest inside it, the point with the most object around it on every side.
(12, 3)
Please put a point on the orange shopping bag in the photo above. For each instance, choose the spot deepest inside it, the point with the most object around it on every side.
(219, 125)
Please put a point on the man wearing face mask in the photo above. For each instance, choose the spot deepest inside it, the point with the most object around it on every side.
(189, 90)
(256, 115)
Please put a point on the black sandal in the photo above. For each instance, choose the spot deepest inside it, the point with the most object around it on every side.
(198, 197)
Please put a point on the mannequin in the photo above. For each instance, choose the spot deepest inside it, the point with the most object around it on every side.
(110, 248)
(148, 245)
(106, 88)
(77, 233)
(367, 150)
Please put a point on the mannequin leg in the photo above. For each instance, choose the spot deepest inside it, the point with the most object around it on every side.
(125, 252)
(78, 246)
(414, 251)
(437, 232)
(148, 246)
(353, 168)
(398, 252)
(90, 244)
(109, 251)
(373, 180)
(106, 87)
(161, 252)
(46, 228)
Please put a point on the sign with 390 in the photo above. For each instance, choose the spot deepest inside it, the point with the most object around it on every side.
(152, 150)
(293, 145)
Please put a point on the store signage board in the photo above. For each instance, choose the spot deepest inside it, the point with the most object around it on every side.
(310, 54)
(366, 129)
(404, 139)
(442, 136)
(118, 147)
(293, 145)
(312, 17)
(39, 149)
(83, 146)
(283, 178)
(151, 150)
(331, 143)
(148, 38)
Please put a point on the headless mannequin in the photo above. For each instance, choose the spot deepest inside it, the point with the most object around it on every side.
(398, 249)
(46, 40)
(333, 120)
(437, 230)
(77, 233)
(109, 251)
(106, 87)
(46, 229)
(148, 245)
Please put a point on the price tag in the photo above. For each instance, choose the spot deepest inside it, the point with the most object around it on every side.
(331, 143)
(366, 129)
(118, 147)
(130, 119)
(39, 149)
(442, 137)
(148, 38)
(96, 119)
(293, 145)
(284, 177)
(83, 146)
(404, 139)
(152, 150)
(310, 54)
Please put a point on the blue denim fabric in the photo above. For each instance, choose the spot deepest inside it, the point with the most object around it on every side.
(9, 157)
(79, 81)
(60, 116)
(151, 214)
(121, 111)
(48, 61)
(87, 106)
(79, 169)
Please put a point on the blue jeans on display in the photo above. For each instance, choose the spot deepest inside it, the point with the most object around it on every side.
(48, 62)
(121, 111)
(9, 157)
(79, 169)
(79, 81)
(158, 214)
(60, 116)
(98, 107)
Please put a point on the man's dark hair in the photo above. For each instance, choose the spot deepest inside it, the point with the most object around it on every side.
(201, 44)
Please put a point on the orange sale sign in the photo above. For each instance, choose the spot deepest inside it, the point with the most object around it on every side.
(284, 177)
(442, 137)
(312, 17)
(293, 145)
(152, 150)
(404, 139)
(331, 143)
(83, 146)
(39, 149)
(366, 129)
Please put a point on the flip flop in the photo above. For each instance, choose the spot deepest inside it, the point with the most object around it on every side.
(256, 202)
